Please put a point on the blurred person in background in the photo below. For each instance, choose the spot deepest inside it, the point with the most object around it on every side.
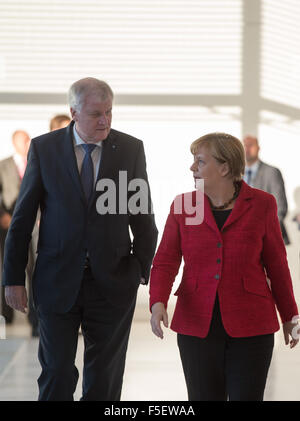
(225, 315)
(59, 121)
(263, 176)
(12, 170)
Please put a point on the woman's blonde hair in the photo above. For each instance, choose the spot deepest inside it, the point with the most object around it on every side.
(224, 148)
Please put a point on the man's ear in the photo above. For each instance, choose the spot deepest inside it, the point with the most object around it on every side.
(73, 114)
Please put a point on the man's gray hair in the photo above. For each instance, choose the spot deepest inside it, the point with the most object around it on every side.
(87, 86)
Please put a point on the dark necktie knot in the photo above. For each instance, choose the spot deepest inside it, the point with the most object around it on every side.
(88, 148)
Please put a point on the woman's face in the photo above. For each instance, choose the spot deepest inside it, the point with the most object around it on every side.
(207, 168)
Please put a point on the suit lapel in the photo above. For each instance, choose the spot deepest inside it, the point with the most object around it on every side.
(257, 177)
(242, 204)
(208, 215)
(110, 156)
(69, 159)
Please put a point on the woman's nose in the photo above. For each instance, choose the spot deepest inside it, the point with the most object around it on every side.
(193, 167)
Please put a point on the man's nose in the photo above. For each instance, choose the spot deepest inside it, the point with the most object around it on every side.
(103, 120)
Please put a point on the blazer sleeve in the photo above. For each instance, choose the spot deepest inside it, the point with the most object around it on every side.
(143, 224)
(23, 220)
(166, 262)
(276, 265)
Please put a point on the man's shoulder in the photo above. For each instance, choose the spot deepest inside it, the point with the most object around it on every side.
(50, 136)
(269, 168)
(4, 163)
(260, 195)
(124, 137)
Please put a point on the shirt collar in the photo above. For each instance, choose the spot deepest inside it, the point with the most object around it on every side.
(19, 159)
(78, 141)
(253, 167)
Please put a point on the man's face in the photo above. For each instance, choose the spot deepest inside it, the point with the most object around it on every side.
(251, 149)
(93, 121)
(21, 142)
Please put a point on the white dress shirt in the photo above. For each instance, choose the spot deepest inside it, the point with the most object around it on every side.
(79, 152)
(20, 162)
(253, 169)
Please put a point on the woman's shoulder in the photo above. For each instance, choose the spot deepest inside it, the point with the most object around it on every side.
(262, 197)
(188, 205)
(186, 198)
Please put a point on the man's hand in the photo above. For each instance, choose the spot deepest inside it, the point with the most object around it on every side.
(5, 221)
(16, 297)
(158, 314)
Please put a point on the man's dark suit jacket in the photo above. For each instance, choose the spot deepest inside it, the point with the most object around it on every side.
(69, 228)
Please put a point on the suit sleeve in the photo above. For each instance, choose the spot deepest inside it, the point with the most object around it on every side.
(24, 216)
(143, 224)
(278, 190)
(166, 262)
(2, 207)
(276, 265)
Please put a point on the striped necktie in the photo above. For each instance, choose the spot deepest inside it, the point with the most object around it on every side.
(87, 171)
(249, 175)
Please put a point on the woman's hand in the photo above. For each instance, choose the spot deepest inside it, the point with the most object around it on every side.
(291, 329)
(158, 314)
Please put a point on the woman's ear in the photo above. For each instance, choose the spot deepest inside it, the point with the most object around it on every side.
(224, 169)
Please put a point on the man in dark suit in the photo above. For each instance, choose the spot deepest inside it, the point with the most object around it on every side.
(11, 173)
(88, 270)
(263, 176)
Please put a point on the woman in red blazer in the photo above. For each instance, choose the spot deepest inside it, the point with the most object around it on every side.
(235, 275)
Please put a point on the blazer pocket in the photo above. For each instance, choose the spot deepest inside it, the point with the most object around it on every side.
(256, 286)
(187, 286)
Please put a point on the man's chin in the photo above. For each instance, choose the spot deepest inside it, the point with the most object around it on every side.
(102, 135)
(250, 160)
